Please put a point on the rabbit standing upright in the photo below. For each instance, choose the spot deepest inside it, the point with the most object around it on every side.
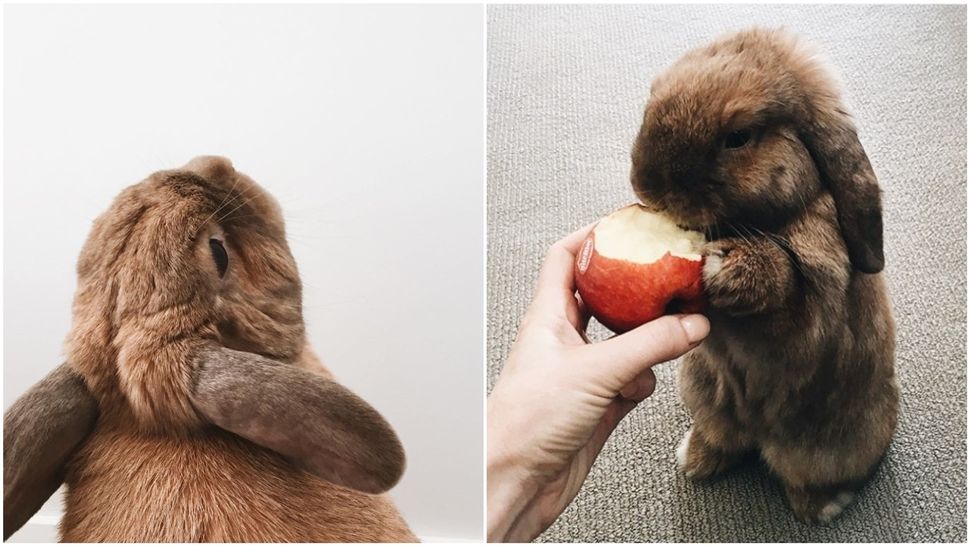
(191, 407)
(747, 140)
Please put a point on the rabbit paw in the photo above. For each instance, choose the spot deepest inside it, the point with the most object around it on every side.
(719, 255)
(818, 505)
(699, 461)
(722, 279)
(714, 254)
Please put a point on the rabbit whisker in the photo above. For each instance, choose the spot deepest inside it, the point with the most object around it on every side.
(244, 203)
(222, 204)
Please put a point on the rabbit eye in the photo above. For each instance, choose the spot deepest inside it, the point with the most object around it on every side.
(219, 256)
(737, 139)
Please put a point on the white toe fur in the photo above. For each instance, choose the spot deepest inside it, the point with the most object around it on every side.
(712, 265)
(835, 507)
(682, 450)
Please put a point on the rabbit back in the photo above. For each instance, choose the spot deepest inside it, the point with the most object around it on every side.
(127, 486)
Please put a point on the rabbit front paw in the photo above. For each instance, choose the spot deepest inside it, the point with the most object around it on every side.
(723, 279)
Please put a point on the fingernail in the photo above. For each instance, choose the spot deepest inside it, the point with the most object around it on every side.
(696, 326)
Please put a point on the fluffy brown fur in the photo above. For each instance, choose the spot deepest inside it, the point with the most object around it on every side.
(210, 399)
(747, 140)
(216, 487)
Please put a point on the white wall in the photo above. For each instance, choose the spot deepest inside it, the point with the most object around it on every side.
(365, 122)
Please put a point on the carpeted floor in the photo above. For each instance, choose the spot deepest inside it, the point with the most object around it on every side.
(566, 88)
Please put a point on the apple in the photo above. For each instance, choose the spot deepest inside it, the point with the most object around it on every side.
(637, 265)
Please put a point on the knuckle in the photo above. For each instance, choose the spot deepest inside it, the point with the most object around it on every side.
(675, 334)
(556, 248)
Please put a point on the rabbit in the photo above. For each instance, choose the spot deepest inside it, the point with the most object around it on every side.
(747, 140)
(190, 407)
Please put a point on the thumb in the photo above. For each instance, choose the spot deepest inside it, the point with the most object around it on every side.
(619, 360)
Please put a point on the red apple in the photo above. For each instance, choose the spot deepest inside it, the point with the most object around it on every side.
(637, 265)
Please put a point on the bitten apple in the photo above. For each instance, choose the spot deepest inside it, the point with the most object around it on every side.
(637, 265)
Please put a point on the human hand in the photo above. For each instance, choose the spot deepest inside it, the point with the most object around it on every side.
(559, 397)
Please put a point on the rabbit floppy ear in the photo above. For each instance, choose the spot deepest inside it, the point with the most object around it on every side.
(842, 162)
(312, 420)
(807, 88)
(211, 167)
(41, 431)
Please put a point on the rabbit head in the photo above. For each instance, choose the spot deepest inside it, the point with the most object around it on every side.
(748, 131)
(187, 255)
(188, 314)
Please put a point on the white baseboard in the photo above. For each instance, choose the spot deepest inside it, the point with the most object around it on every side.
(40, 528)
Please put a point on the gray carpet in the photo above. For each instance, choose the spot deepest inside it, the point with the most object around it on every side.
(566, 88)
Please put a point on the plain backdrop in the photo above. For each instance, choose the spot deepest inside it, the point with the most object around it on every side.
(364, 121)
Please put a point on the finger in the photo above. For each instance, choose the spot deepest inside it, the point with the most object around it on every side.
(585, 315)
(556, 275)
(574, 240)
(617, 361)
(577, 314)
(641, 387)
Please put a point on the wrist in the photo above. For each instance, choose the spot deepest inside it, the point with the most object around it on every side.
(510, 485)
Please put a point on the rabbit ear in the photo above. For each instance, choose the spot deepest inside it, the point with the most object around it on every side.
(312, 420)
(211, 167)
(41, 431)
(842, 163)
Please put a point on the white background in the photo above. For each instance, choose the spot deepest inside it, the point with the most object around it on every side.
(365, 122)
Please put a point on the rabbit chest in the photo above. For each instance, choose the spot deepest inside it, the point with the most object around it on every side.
(763, 381)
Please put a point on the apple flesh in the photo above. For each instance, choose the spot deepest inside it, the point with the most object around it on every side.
(637, 265)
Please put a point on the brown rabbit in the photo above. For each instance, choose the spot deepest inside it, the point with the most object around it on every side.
(747, 140)
(191, 407)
